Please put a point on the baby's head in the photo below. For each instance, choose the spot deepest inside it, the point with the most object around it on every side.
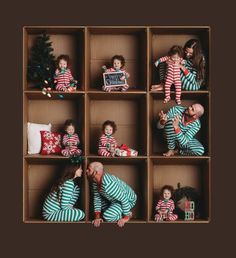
(69, 126)
(63, 61)
(109, 127)
(118, 62)
(175, 53)
(167, 192)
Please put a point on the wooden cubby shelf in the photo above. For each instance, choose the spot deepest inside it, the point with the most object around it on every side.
(134, 112)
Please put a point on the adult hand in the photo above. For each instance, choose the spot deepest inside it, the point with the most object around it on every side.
(162, 117)
(97, 222)
(121, 222)
(176, 122)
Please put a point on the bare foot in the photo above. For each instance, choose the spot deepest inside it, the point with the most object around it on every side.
(157, 87)
(166, 100)
(170, 153)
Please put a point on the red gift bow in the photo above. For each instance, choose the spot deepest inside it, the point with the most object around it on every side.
(126, 148)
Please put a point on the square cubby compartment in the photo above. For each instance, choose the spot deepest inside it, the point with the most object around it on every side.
(128, 111)
(158, 143)
(42, 110)
(185, 172)
(162, 39)
(39, 177)
(65, 40)
(104, 43)
(134, 173)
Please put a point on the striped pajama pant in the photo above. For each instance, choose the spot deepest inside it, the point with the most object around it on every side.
(192, 148)
(68, 152)
(188, 83)
(115, 88)
(112, 211)
(173, 77)
(72, 214)
(169, 216)
(104, 152)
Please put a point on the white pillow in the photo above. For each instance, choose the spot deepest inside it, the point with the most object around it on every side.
(34, 137)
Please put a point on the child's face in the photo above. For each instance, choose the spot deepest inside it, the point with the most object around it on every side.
(117, 64)
(62, 64)
(70, 129)
(108, 130)
(175, 58)
(166, 194)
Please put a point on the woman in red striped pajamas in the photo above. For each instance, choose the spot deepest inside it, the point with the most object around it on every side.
(63, 77)
(173, 61)
(118, 64)
(70, 140)
(166, 206)
(107, 143)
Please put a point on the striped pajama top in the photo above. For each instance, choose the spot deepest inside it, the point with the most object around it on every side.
(63, 78)
(164, 205)
(187, 131)
(114, 190)
(71, 138)
(68, 195)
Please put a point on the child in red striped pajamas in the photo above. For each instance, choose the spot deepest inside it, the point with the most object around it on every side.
(173, 60)
(165, 206)
(63, 77)
(118, 63)
(70, 140)
(107, 143)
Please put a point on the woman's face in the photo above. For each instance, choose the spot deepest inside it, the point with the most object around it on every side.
(188, 53)
(78, 172)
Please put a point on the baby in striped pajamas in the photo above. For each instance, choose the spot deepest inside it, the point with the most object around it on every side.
(63, 77)
(166, 206)
(113, 198)
(70, 140)
(181, 124)
(107, 143)
(118, 64)
(173, 61)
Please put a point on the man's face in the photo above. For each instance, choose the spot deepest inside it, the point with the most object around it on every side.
(90, 172)
(192, 110)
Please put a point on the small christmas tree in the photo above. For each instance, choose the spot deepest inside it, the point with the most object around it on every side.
(41, 65)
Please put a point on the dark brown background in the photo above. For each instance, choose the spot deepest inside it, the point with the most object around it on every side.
(144, 240)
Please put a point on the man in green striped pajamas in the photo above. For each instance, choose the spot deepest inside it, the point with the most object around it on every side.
(181, 124)
(112, 197)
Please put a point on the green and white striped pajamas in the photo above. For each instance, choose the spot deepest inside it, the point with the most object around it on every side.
(62, 209)
(114, 198)
(184, 140)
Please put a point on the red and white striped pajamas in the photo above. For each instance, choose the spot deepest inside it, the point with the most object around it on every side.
(63, 79)
(116, 88)
(72, 149)
(104, 142)
(166, 207)
(172, 77)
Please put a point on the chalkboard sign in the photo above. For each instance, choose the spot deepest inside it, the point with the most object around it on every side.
(113, 79)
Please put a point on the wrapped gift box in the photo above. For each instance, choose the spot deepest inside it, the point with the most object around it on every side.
(125, 151)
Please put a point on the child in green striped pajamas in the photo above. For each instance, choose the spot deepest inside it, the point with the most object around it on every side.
(192, 73)
(181, 124)
(59, 204)
(112, 197)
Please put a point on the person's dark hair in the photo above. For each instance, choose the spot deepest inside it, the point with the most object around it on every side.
(197, 58)
(176, 50)
(69, 122)
(63, 57)
(167, 187)
(68, 173)
(120, 58)
(111, 123)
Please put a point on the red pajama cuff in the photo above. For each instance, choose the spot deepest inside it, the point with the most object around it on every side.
(177, 130)
(186, 72)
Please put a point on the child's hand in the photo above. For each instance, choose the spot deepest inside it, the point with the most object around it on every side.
(127, 75)
(162, 117)
(122, 78)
